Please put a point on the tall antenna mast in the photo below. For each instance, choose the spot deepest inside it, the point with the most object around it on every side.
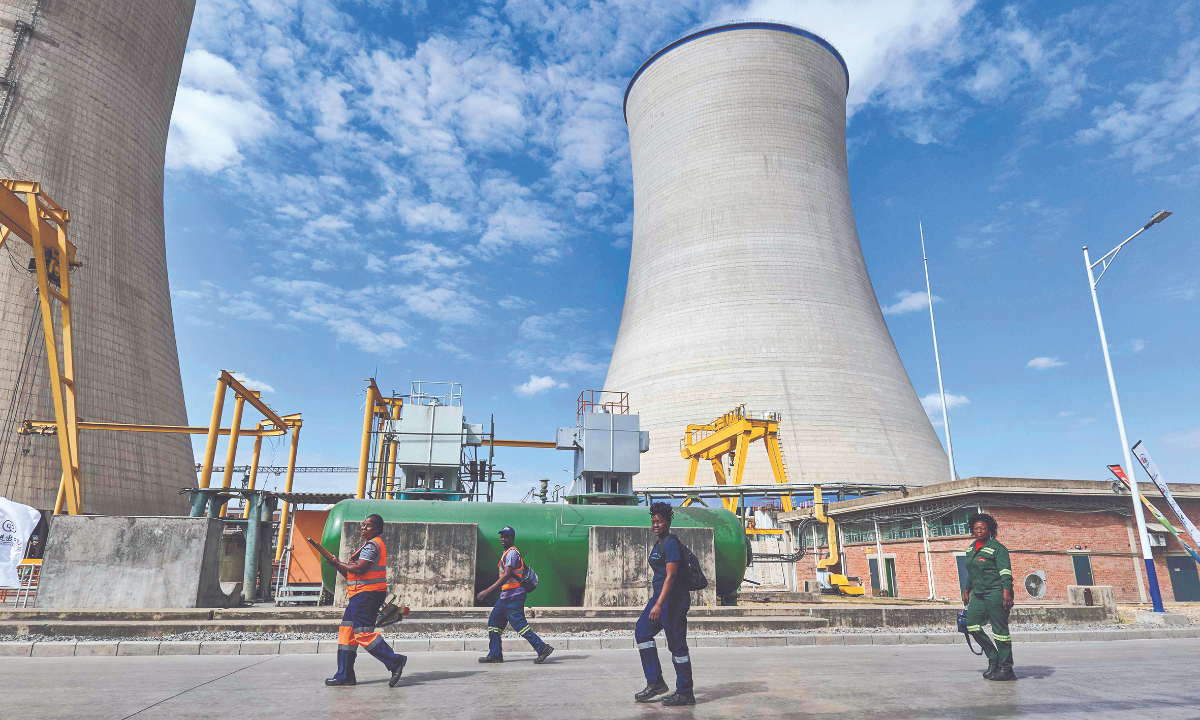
(936, 358)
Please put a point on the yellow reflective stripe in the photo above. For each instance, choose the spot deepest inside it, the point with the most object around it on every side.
(1006, 572)
(494, 630)
(1002, 638)
(974, 628)
(525, 630)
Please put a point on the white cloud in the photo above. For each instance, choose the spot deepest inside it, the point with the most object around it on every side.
(541, 327)
(454, 350)
(251, 383)
(1137, 345)
(216, 114)
(1186, 438)
(933, 403)
(244, 308)
(1163, 119)
(537, 385)
(1044, 363)
(512, 302)
(908, 301)
(1066, 413)
(427, 258)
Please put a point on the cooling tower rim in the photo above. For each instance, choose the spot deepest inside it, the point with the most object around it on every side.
(728, 26)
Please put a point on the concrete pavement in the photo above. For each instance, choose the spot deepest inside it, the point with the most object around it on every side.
(1137, 678)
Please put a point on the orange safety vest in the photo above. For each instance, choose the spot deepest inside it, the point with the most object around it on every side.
(518, 573)
(375, 578)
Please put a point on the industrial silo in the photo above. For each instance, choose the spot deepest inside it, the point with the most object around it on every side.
(747, 283)
(87, 98)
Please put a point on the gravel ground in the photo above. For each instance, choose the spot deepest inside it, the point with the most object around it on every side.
(236, 636)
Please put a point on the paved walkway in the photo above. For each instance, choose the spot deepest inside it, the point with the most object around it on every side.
(1134, 679)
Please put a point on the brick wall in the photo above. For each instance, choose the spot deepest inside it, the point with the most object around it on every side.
(1037, 540)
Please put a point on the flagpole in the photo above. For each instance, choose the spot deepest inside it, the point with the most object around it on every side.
(936, 358)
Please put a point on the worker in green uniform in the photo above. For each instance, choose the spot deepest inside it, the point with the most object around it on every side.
(989, 596)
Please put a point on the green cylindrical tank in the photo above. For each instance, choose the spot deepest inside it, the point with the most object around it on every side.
(553, 539)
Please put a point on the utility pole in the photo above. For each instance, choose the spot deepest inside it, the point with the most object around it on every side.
(937, 359)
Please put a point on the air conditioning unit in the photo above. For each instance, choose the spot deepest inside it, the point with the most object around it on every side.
(1157, 539)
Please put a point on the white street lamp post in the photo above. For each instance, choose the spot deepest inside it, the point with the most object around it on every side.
(1106, 262)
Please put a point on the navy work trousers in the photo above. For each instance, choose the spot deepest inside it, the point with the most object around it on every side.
(673, 622)
(358, 630)
(510, 611)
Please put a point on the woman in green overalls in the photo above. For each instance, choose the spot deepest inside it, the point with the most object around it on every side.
(989, 596)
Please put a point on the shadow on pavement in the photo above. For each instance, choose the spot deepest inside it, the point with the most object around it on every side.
(423, 677)
(1034, 672)
(720, 692)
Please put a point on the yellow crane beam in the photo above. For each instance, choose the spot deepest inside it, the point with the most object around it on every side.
(732, 433)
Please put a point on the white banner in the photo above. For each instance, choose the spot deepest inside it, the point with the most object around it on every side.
(1139, 451)
(17, 523)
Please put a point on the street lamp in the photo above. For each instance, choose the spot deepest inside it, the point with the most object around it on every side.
(1105, 263)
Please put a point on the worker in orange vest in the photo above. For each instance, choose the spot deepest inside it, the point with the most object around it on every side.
(510, 608)
(366, 588)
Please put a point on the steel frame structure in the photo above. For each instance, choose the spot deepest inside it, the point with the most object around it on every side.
(29, 213)
(732, 433)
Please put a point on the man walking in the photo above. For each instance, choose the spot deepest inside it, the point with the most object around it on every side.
(510, 608)
(366, 587)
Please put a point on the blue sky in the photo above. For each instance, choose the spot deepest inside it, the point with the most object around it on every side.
(441, 191)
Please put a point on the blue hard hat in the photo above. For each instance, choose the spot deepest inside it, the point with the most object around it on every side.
(506, 530)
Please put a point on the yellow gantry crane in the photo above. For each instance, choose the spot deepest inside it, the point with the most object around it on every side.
(732, 433)
(29, 213)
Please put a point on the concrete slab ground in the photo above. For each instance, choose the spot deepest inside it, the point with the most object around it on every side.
(1096, 680)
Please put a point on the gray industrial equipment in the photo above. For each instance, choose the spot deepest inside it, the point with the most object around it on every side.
(608, 448)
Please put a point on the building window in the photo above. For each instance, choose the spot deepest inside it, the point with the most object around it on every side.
(950, 524)
(1083, 569)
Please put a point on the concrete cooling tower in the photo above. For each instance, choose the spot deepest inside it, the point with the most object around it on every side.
(747, 283)
(88, 93)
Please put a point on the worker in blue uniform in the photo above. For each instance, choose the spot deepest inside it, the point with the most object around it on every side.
(665, 612)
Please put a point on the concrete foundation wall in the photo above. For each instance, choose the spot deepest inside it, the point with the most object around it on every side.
(619, 573)
(133, 562)
(428, 564)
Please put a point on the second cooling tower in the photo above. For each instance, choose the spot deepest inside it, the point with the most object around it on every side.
(747, 283)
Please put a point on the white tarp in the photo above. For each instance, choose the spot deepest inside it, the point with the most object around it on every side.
(17, 523)
(1139, 451)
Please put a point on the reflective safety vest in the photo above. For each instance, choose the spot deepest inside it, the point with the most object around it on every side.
(375, 577)
(518, 574)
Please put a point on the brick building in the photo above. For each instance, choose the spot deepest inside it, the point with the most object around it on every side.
(1059, 533)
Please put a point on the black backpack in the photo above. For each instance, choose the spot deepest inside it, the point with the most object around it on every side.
(692, 578)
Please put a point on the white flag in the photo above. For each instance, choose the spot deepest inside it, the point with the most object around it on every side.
(1139, 451)
(17, 523)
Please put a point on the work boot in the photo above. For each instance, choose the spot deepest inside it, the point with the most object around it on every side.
(676, 698)
(545, 653)
(993, 666)
(648, 694)
(398, 672)
(1004, 674)
(492, 659)
(334, 682)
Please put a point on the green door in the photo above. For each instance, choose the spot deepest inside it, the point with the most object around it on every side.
(1185, 580)
(890, 565)
(1083, 569)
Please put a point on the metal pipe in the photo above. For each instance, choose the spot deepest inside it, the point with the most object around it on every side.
(364, 453)
(250, 569)
(286, 508)
(937, 358)
(928, 558)
(880, 564)
(210, 446)
(231, 453)
(253, 471)
(1147, 554)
